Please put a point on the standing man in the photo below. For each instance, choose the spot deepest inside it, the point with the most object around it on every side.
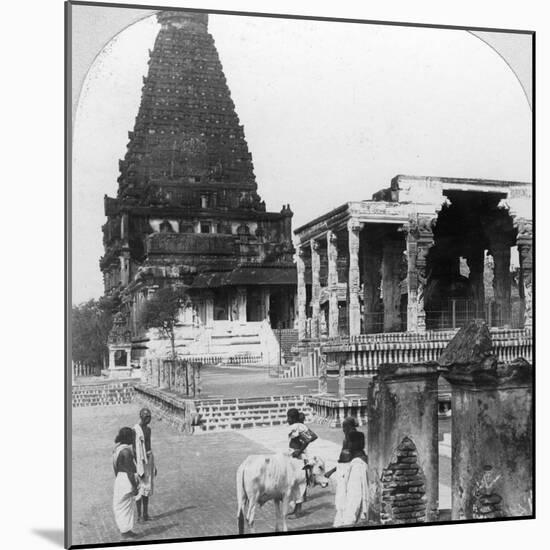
(348, 425)
(352, 491)
(145, 463)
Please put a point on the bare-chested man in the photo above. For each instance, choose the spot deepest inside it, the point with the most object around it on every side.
(145, 463)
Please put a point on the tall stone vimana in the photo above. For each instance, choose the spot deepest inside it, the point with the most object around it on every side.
(188, 213)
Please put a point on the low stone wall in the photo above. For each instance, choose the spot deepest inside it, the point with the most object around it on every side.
(176, 411)
(332, 410)
(90, 395)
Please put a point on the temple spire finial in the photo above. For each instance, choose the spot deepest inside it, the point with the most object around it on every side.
(188, 20)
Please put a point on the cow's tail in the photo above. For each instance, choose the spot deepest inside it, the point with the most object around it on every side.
(242, 498)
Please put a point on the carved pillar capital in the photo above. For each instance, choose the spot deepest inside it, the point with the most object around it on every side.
(420, 227)
(525, 230)
(354, 225)
(301, 252)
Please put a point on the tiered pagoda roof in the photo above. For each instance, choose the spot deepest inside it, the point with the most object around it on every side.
(187, 134)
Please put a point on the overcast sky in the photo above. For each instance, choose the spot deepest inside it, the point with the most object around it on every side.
(331, 112)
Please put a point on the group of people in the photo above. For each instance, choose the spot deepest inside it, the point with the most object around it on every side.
(351, 470)
(135, 471)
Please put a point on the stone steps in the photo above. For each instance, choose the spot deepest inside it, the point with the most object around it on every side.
(288, 338)
(247, 413)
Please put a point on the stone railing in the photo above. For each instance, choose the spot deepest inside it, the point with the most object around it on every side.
(364, 353)
(237, 360)
(80, 369)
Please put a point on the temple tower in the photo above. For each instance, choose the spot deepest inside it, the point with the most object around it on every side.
(187, 211)
(187, 133)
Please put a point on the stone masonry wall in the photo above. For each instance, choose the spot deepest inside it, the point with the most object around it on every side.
(102, 394)
(175, 411)
(404, 487)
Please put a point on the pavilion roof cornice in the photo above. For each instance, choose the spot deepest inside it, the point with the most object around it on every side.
(451, 182)
(362, 211)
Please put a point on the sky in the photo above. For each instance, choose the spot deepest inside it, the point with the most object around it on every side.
(331, 112)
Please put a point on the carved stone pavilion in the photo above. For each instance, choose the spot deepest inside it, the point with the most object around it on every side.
(187, 211)
(393, 278)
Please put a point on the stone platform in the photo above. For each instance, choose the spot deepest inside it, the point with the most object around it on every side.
(213, 415)
(331, 410)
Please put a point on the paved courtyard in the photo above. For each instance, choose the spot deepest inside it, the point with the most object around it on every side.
(195, 488)
(218, 382)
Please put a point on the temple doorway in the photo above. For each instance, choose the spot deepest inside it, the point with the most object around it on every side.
(281, 309)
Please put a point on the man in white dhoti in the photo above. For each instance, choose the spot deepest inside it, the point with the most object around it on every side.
(352, 490)
(126, 484)
(145, 463)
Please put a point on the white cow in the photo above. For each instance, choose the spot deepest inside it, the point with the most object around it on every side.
(279, 478)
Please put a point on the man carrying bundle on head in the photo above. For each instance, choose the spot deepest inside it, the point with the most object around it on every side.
(145, 463)
(299, 437)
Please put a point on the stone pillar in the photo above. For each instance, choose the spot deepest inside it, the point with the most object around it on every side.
(491, 440)
(403, 444)
(301, 270)
(124, 228)
(315, 289)
(241, 300)
(476, 264)
(392, 255)
(322, 386)
(491, 428)
(332, 284)
(165, 375)
(125, 267)
(209, 309)
(525, 244)
(502, 282)
(372, 262)
(419, 241)
(342, 379)
(354, 283)
(265, 297)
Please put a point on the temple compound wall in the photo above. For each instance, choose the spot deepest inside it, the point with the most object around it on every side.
(425, 254)
(187, 212)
